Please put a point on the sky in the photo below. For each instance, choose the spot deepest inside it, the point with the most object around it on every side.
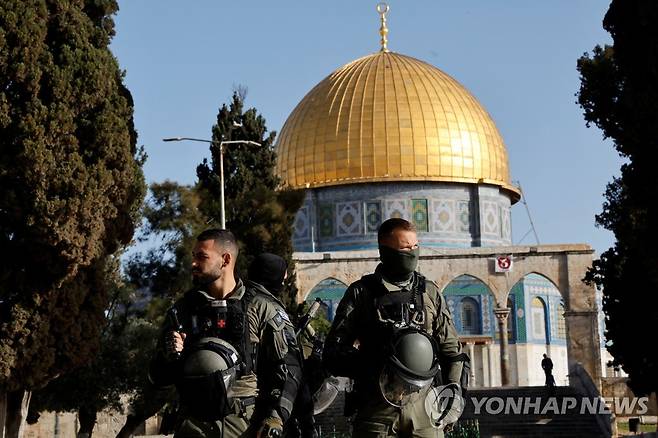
(518, 57)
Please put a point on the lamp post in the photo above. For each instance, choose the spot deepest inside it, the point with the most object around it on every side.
(221, 164)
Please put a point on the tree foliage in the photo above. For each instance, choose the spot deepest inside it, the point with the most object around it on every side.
(260, 215)
(140, 297)
(173, 220)
(120, 367)
(619, 94)
(71, 183)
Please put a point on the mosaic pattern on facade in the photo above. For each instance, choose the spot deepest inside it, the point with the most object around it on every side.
(302, 223)
(326, 220)
(348, 218)
(419, 214)
(506, 223)
(396, 208)
(486, 311)
(443, 215)
(490, 218)
(373, 216)
(463, 217)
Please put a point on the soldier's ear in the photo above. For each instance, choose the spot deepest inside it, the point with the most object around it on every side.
(226, 259)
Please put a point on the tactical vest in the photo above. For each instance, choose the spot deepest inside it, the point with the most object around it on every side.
(395, 310)
(224, 319)
(205, 396)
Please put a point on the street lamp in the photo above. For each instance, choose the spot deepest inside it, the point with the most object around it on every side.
(221, 164)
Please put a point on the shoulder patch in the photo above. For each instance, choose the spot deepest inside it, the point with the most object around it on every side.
(279, 320)
(282, 313)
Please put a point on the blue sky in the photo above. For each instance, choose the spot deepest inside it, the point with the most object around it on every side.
(518, 57)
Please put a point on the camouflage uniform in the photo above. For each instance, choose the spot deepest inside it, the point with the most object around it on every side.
(354, 348)
(275, 358)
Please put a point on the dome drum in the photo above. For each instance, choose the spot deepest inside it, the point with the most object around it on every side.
(346, 217)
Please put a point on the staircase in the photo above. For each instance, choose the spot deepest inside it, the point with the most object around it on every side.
(566, 423)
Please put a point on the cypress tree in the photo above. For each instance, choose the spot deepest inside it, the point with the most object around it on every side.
(71, 183)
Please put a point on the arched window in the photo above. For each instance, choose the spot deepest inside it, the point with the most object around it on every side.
(561, 323)
(470, 316)
(330, 291)
(538, 312)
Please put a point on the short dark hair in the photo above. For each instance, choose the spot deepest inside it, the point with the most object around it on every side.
(387, 228)
(222, 238)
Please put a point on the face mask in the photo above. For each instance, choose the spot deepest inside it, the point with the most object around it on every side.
(398, 265)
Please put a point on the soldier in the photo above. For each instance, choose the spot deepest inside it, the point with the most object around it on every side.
(269, 271)
(393, 335)
(217, 339)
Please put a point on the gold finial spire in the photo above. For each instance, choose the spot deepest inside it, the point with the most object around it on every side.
(383, 8)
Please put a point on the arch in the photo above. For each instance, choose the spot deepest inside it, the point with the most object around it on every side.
(469, 312)
(330, 290)
(308, 279)
(548, 276)
(443, 285)
(471, 303)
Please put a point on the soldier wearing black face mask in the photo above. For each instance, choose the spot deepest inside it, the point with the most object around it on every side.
(393, 334)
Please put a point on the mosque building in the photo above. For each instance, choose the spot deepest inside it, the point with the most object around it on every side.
(388, 135)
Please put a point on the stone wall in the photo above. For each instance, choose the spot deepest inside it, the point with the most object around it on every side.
(563, 265)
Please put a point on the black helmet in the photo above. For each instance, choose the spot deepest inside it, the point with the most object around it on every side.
(208, 370)
(411, 366)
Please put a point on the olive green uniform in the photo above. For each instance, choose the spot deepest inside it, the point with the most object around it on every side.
(352, 349)
(275, 353)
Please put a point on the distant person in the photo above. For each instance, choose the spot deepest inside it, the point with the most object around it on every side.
(547, 366)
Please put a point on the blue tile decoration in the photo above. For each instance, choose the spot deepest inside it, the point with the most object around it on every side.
(301, 229)
(443, 215)
(506, 221)
(396, 208)
(338, 224)
(330, 291)
(373, 216)
(520, 317)
(490, 218)
(326, 219)
(463, 217)
(348, 218)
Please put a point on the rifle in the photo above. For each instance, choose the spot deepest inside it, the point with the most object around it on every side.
(305, 320)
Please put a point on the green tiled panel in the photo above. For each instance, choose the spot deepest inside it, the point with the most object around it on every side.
(419, 214)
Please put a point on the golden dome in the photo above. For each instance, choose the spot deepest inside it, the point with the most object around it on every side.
(390, 117)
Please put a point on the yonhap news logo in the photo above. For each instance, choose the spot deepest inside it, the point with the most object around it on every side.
(560, 406)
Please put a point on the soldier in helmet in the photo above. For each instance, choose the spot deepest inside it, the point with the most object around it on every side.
(229, 348)
(393, 335)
